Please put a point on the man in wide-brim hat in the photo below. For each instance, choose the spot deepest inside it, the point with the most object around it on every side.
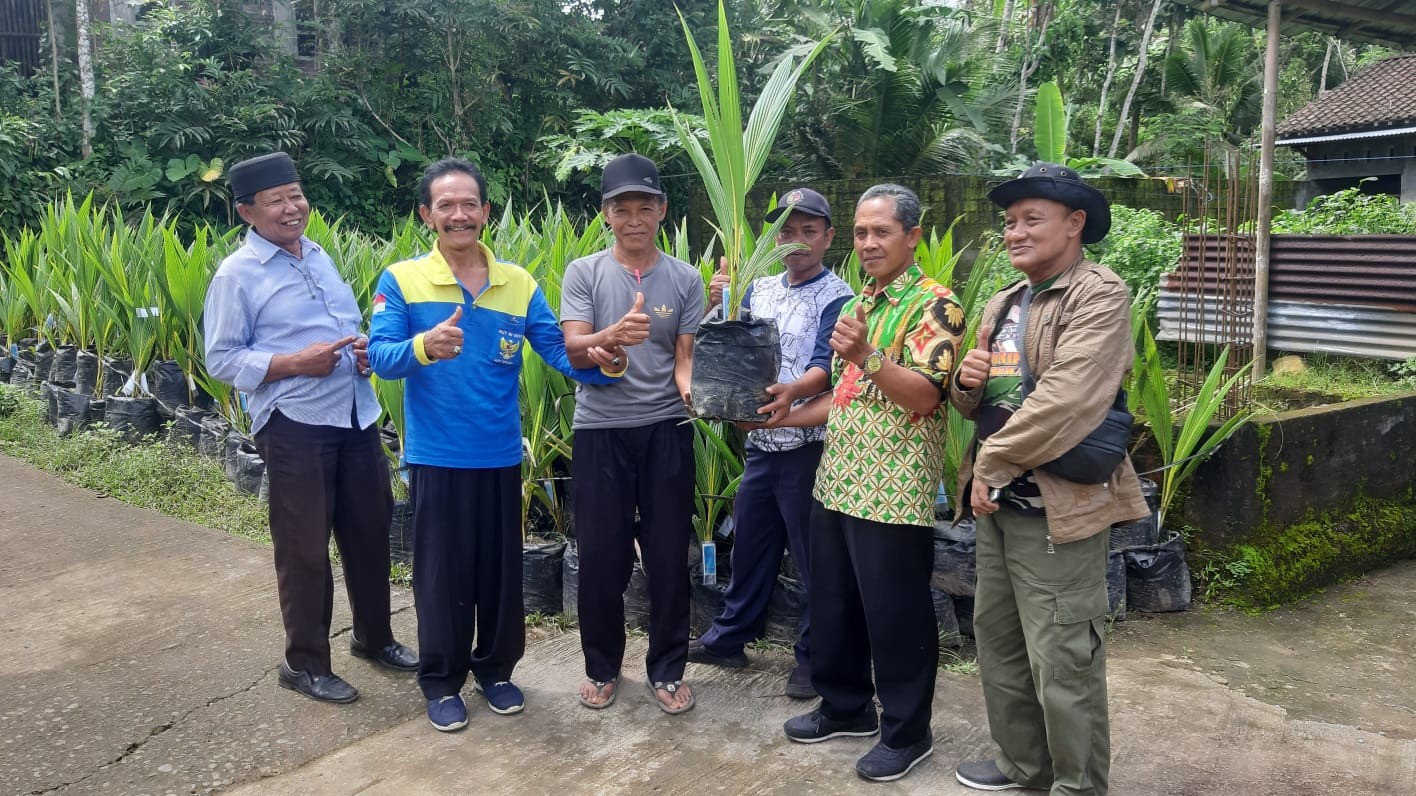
(1053, 351)
(283, 327)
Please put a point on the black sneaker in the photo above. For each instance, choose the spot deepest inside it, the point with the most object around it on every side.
(886, 763)
(799, 683)
(984, 775)
(814, 727)
(698, 652)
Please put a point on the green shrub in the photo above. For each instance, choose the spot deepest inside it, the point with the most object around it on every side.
(1349, 212)
(1141, 246)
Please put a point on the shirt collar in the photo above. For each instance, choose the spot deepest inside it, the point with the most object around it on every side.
(436, 269)
(819, 276)
(899, 287)
(265, 250)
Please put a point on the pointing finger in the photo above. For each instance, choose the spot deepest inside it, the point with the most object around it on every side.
(342, 342)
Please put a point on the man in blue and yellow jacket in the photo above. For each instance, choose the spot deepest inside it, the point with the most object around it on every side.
(451, 324)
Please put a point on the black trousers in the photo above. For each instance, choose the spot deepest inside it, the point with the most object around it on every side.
(613, 472)
(324, 478)
(870, 605)
(466, 575)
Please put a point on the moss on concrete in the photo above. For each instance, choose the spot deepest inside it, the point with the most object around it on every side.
(1293, 562)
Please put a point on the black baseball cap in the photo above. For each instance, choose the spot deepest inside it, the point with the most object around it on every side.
(628, 173)
(804, 200)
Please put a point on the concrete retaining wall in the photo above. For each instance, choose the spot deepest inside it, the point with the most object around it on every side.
(1302, 499)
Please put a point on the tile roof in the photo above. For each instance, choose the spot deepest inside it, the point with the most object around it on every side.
(1381, 96)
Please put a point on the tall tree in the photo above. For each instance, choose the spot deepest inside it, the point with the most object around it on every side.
(1141, 59)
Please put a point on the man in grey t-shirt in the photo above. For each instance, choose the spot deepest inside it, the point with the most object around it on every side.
(632, 449)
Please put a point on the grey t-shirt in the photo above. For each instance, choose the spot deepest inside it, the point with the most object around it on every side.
(599, 291)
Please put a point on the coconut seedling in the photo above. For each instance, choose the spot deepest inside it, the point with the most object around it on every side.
(736, 154)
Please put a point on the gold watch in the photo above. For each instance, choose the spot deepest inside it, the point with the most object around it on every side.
(873, 362)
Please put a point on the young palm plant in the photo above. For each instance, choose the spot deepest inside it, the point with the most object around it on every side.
(738, 154)
(1182, 452)
(718, 469)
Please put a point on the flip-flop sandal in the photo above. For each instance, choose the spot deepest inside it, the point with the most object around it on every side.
(600, 692)
(671, 689)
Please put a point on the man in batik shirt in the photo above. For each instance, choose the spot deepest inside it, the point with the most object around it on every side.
(871, 540)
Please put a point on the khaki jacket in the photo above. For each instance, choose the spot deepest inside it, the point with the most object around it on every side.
(1079, 348)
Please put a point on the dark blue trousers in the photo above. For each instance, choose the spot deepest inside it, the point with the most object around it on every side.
(466, 575)
(772, 510)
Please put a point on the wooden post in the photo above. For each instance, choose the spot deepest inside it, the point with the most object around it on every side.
(1265, 215)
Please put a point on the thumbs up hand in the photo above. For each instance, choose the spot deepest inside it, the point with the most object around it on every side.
(851, 337)
(973, 369)
(444, 341)
(719, 283)
(633, 328)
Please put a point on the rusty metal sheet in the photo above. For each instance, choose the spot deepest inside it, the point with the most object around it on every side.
(1358, 331)
(1374, 271)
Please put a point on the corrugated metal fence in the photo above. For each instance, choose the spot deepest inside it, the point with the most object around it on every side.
(21, 29)
(1352, 295)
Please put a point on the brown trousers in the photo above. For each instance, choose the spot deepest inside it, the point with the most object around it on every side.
(324, 478)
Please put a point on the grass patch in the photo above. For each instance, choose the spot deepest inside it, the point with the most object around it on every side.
(1346, 378)
(156, 476)
(962, 660)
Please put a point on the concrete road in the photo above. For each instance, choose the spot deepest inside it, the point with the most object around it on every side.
(138, 656)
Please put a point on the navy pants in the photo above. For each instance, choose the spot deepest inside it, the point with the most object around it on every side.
(613, 472)
(324, 479)
(871, 608)
(772, 510)
(466, 575)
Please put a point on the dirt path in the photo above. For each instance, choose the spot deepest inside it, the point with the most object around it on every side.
(138, 656)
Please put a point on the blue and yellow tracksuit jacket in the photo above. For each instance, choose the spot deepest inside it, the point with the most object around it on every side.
(463, 412)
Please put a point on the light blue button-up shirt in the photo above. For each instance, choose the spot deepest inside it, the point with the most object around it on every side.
(265, 301)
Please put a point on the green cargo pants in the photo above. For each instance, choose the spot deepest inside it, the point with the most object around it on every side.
(1039, 619)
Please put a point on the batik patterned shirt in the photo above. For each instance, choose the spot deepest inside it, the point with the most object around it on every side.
(883, 462)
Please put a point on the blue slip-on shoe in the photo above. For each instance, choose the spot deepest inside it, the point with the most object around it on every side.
(503, 697)
(447, 714)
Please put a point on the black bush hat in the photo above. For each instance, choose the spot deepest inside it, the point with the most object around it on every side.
(802, 200)
(1060, 184)
(249, 177)
(628, 173)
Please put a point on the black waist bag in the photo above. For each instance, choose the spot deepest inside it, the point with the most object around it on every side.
(1094, 459)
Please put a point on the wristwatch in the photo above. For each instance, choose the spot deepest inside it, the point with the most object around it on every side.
(873, 362)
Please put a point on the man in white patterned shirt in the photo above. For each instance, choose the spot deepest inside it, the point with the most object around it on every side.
(772, 508)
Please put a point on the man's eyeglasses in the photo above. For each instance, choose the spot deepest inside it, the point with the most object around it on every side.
(310, 283)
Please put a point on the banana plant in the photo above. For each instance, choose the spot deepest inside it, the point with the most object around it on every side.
(1050, 137)
(738, 154)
